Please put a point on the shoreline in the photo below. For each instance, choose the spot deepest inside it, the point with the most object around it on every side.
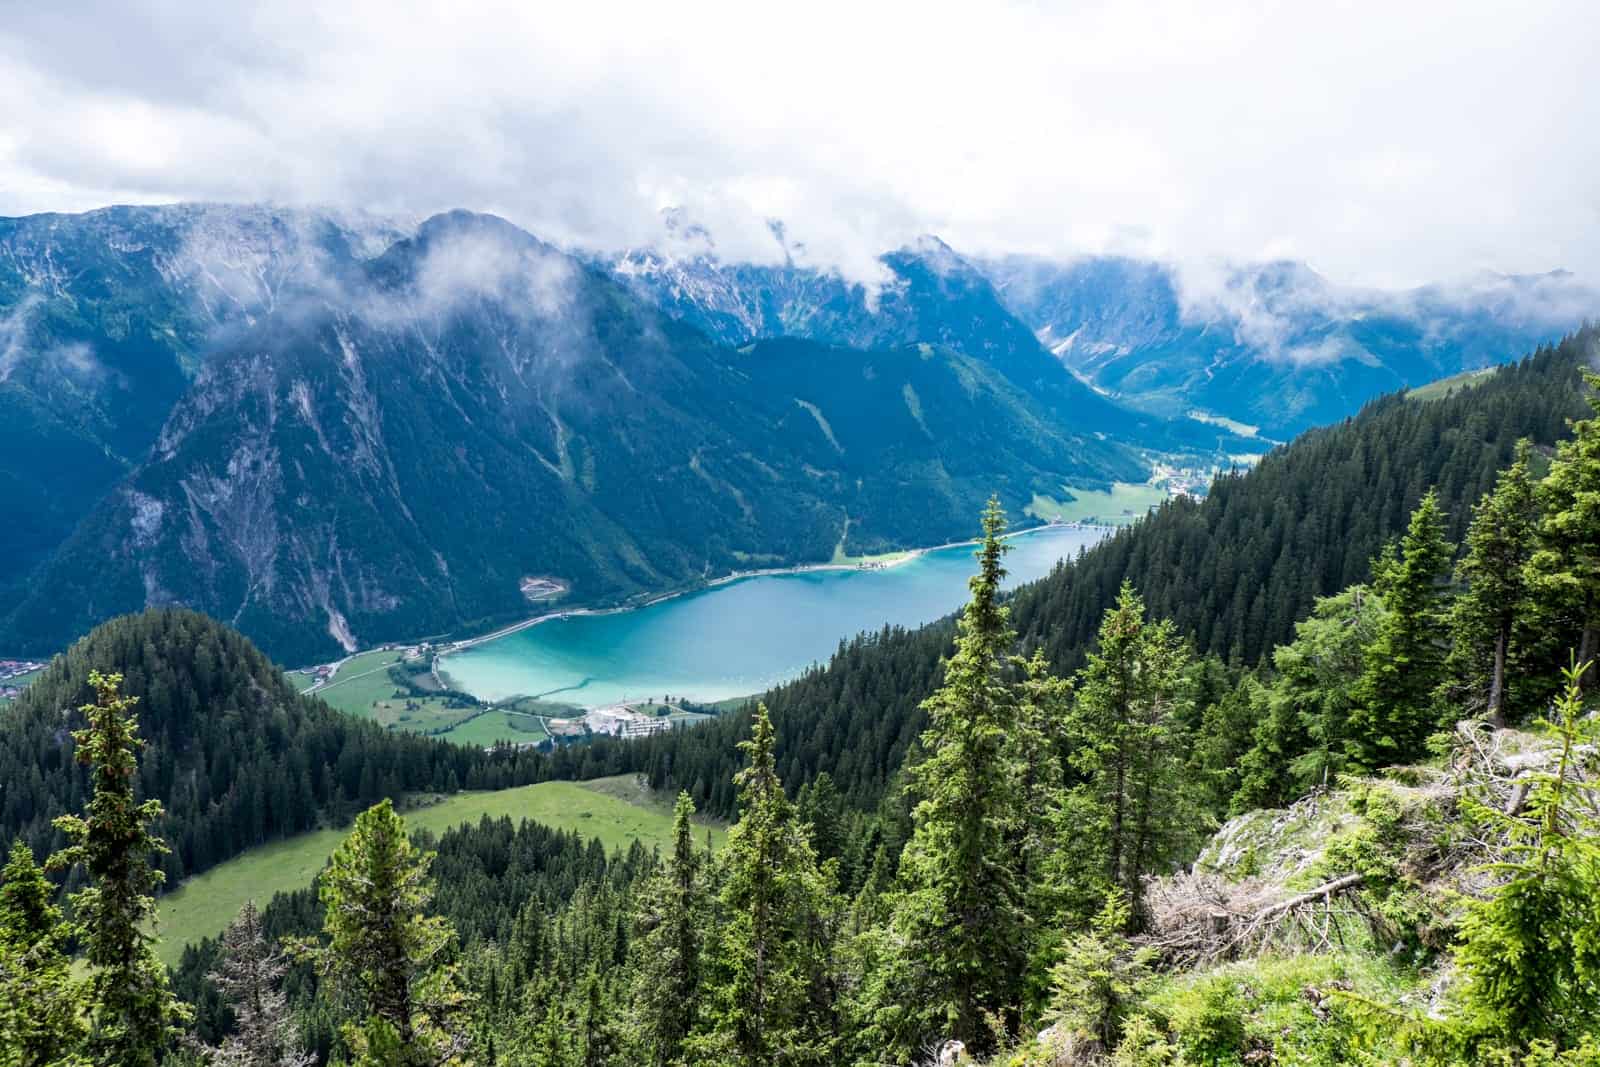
(895, 560)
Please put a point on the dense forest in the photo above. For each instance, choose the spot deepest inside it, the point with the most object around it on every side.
(1085, 855)
(235, 756)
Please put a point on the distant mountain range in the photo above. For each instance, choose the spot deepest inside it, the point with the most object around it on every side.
(1275, 345)
(1272, 347)
(329, 429)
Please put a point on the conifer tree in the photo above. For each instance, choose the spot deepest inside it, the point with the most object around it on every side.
(133, 1014)
(1303, 733)
(959, 915)
(599, 1041)
(1530, 951)
(40, 1019)
(248, 975)
(668, 945)
(1039, 742)
(1101, 974)
(386, 951)
(776, 941)
(1494, 571)
(1564, 572)
(1128, 745)
(821, 809)
(1404, 664)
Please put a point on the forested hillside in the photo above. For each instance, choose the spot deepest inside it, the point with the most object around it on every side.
(1409, 873)
(235, 756)
(1234, 572)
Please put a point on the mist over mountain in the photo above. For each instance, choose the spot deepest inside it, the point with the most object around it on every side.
(1275, 345)
(926, 292)
(106, 317)
(1272, 345)
(374, 447)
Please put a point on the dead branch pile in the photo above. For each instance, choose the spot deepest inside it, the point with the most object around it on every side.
(1199, 919)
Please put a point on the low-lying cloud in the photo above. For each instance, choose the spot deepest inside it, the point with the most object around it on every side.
(1385, 144)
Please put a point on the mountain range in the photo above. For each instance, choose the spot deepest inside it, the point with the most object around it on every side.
(365, 446)
(1274, 346)
(1271, 347)
(331, 429)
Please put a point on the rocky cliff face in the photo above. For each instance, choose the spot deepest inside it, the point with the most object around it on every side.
(104, 320)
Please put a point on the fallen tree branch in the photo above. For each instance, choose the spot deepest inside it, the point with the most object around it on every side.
(1322, 892)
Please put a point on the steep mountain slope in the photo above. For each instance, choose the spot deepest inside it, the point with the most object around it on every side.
(104, 319)
(1274, 346)
(929, 294)
(390, 452)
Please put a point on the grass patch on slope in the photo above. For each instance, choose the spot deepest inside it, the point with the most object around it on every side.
(1442, 388)
(1123, 504)
(614, 813)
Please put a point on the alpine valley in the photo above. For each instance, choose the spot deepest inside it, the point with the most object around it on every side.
(332, 430)
(860, 535)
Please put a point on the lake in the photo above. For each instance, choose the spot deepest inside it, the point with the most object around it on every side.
(740, 637)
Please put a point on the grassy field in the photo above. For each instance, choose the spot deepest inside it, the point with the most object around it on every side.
(1445, 386)
(301, 680)
(361, 682)
(1123, 504)
(362, 687)
(618, 811)
(426, 715)
(497, 724)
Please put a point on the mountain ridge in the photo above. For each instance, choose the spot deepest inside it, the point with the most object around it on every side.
(389, 451)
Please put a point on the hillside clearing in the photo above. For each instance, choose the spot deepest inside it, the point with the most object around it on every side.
(615, 811)
(1124, 503)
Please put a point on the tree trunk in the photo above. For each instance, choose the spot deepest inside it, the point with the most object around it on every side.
(1497, 682)
(1586, 651)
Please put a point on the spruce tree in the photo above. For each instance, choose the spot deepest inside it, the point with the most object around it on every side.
(958, 917)
(1301, 739)
(1530, 951)
(668, 945)
(1494, 572)
(776, 941)
(1404, 664)
(383, 948)
(1100, 976)
(248, 975)
(133, 1014)
(40, 1020)
(1040, 745)
(1129, 746)
(599, 1042)
(1564, 572)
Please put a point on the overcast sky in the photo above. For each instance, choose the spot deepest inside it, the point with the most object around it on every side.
(1386, 143)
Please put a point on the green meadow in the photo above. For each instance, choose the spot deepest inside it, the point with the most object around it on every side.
(617, 811)
(1123, 504)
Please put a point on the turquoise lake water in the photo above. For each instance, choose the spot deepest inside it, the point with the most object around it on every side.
(739, 638)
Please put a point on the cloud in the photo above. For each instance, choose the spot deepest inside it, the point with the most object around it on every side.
(14, 334)
(73, 358)
(1386, 144)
